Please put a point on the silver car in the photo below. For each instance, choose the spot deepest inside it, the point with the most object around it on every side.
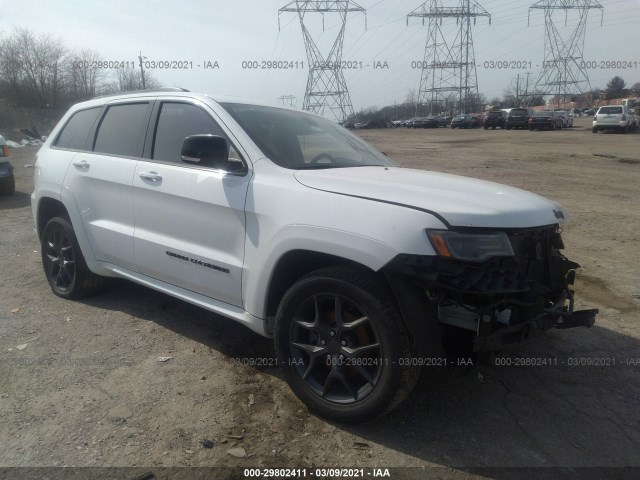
(567, 118)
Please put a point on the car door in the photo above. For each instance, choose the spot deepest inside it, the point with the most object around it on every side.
(189, 219)
(100, 180)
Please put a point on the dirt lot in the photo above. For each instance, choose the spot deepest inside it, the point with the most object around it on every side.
(87, 390)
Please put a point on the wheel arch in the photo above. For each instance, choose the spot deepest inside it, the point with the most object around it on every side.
(295, 264)
(47, 209)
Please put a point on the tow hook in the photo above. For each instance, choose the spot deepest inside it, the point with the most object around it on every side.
(580, 318)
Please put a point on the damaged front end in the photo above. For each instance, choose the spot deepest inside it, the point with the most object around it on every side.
(498, 286)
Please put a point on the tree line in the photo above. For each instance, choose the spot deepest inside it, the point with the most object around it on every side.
(39, 71)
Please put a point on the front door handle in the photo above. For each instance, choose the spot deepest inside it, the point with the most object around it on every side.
(82, 164)
(151, 176)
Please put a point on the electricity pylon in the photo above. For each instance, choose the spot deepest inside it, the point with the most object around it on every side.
(326, 86)
(563, 71)
(449, 79)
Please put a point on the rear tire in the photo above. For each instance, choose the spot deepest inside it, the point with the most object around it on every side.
(594, 130)
(63, 262)
(343, 346)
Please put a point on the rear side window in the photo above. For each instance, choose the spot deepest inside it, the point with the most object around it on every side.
(74, 134)
(121, 130)
(177, 121)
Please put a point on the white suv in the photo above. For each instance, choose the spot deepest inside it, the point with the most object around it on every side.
(613, 117)
(360, 270)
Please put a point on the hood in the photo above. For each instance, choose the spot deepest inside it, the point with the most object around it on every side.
(460, 201)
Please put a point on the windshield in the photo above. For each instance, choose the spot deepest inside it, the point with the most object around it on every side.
(298, 140)
(517, 112)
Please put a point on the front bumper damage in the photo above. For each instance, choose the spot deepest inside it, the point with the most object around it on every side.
(503, 300)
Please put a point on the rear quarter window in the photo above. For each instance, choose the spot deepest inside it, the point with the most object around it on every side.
(75, 133)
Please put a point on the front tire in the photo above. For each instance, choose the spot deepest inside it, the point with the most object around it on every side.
(343, 346)
(63, 263)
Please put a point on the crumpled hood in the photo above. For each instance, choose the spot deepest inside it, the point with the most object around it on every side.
(461, 201)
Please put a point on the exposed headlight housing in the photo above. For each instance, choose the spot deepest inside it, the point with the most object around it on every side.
(471, 247)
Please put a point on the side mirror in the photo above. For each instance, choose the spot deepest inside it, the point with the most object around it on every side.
(206, 150)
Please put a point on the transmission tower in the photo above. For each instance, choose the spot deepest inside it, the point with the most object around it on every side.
(449, 79)
(287, 100)
(326, 86)
(563, 72)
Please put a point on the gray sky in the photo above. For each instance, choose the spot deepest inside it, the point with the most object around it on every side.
(232, 32)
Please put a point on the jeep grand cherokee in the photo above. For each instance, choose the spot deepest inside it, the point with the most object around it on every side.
(291, 225)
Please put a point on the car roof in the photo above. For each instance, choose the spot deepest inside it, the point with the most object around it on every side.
(101, 100)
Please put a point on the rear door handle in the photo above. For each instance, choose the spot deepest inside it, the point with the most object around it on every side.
(81, 164)
(151, 176)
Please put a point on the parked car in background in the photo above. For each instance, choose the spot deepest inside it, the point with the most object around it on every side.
(7, 180)
(567, 118)
(478, 119)
(434, 121)
(546, 120)
(377, 123)
(495, 118)
(613, 117)
(463, 121)
(518, 118)
(414, 122)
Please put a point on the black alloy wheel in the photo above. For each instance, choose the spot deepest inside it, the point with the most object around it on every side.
(343, 345)
(63, 263)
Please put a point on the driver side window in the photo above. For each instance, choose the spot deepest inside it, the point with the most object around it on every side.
(176, 121)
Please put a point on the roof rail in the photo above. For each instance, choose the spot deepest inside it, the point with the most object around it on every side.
(153, 90)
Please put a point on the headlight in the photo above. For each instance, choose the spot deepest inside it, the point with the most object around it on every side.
(472, 247)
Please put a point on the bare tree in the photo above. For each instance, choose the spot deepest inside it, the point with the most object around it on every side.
(412, 100)
(32, 67)
(84, 78)
(128, 79)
